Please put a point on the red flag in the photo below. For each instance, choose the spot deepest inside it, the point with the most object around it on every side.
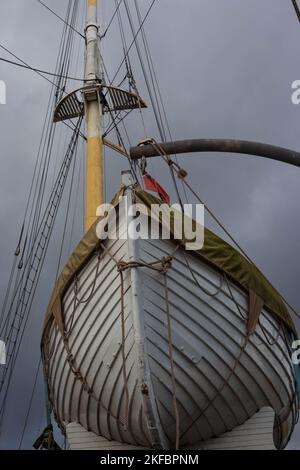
(152, 185)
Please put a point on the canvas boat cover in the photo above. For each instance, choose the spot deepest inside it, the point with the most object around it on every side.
(215, 252)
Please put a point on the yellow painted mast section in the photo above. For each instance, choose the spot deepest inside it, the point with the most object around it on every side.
(93, 109)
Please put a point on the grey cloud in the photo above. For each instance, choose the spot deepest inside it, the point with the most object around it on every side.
(225, 69)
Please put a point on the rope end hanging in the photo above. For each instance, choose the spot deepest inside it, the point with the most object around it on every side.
(46, 440)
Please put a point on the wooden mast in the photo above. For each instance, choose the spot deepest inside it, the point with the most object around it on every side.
(93, 110)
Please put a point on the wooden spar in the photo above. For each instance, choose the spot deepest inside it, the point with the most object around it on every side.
(116, 148)
(93, 110)
(217, 145)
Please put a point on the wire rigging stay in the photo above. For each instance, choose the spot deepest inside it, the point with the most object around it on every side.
(40, 215)
(297, 9)
(21, 304)
(33, 69)
(61, 19)
(46, 199)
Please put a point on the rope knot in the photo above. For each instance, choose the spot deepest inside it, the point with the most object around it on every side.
(122, 266)
(166, 264)
(78, 375)
(70, 358)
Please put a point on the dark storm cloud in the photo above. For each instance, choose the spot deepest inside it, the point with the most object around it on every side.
(225, 68)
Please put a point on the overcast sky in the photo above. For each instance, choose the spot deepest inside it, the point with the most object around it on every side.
(225, 69)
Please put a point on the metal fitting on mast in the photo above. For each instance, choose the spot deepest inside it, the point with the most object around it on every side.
(94, 99)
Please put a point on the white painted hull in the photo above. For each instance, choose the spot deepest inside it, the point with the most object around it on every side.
(218, 387)
(255, 434)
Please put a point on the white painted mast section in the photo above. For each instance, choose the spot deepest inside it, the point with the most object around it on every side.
(92, 67)
(93, 109)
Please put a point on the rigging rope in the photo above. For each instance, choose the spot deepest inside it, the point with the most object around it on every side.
(152, 68)
(78, 375)
(133, 41)
(156, 86)
(178, 171)
(30, 233)
(26, 211)
(30, 403)
(153, 99)
(224, 384)
(129, 74)
(22, 305)
(33, 69)
(60, 18)
(48, 124)
(67, 213)
(37, 228)
(112, 19)
(120, 139)
(162, 266)
(296, 7)
(170, 163)
(27, 65)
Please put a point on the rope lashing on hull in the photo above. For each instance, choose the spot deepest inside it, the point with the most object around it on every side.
(123, 266)
(79, 376)
(274, 340)
(90, 246)
(182, 174)
(70, 357)
(292, 400)
(207, 292)
(78, 301)
(161, 266)
(124, 371)
(286, 156)
(232, 370)
(76, 288)
(170, 341)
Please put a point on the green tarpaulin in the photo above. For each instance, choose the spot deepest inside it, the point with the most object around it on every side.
(215, 251)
